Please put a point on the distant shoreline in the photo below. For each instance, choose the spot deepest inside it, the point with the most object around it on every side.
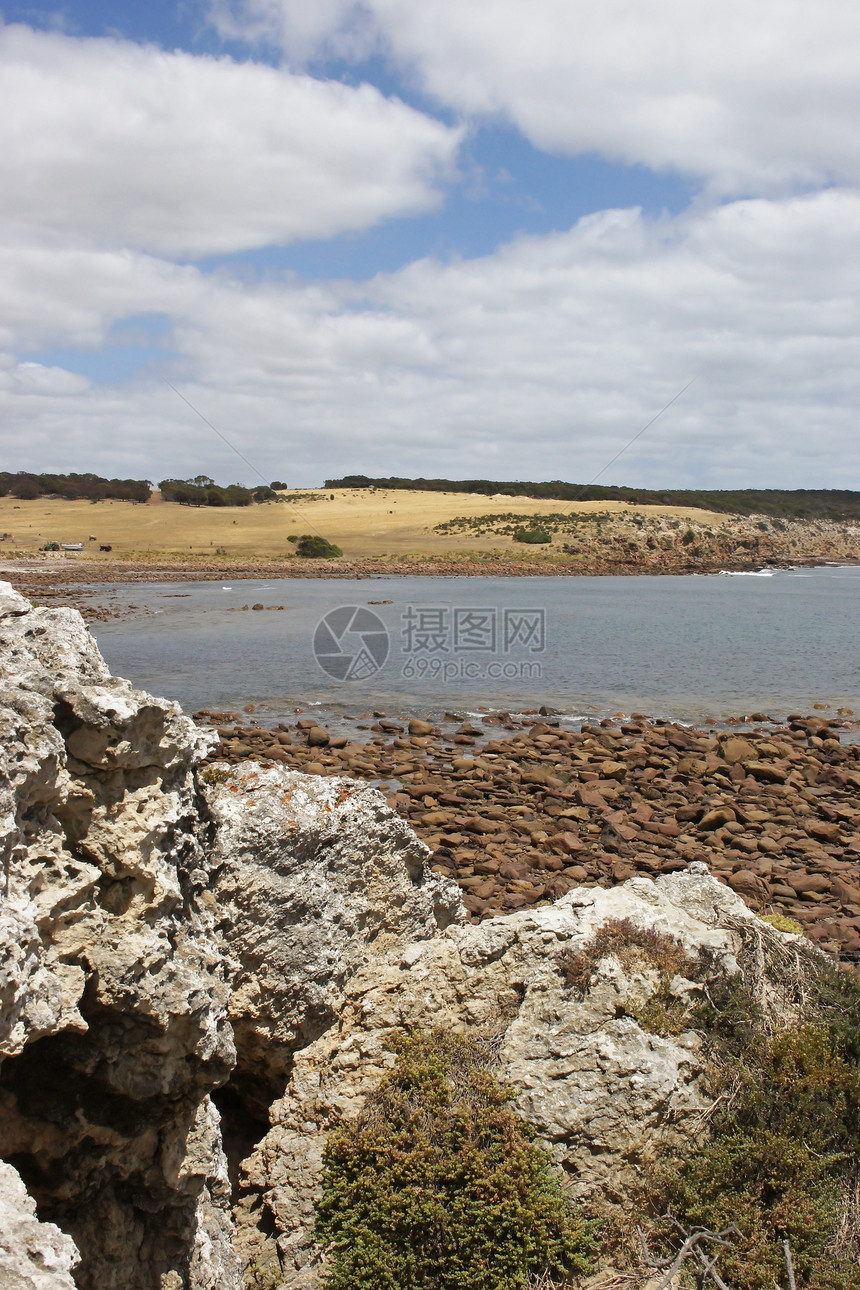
(75, 581)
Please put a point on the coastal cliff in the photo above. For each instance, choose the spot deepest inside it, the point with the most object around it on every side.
(205, 967)
(146, 937)
(114, 1022)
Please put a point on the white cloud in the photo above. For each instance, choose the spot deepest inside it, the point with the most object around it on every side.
(36, 378)
(539, 361)
(104, 143)
(752, 95)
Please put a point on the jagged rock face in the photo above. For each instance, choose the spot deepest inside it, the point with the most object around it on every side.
(315, 878)
(112, 995)
(598, 1087)
(134, 909)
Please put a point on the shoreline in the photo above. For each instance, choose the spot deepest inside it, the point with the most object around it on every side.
(74, 582)
(518, 810)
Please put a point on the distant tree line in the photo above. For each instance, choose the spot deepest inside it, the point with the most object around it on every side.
(203, 491)
(796, 503)
(74, 487)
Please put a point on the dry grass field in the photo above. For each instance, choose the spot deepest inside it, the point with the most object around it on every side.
(364, 524)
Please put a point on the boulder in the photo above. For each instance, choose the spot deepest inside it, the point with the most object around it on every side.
(735, 749)
(600, 1089)
(766, 771)
(847, 893)
(749, 885)
(811, 882)
(314, 878)
(716, 818)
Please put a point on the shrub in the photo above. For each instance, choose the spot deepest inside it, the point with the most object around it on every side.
(438, 1185)
(783, 923)
(532, 536)
(215, 775)
(316, 548)
(782, 1158)
(629, 943)
(780, 1155)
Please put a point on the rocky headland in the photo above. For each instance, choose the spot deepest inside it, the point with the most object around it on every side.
(207, 959)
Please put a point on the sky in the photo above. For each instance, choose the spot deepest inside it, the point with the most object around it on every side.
(457, 238)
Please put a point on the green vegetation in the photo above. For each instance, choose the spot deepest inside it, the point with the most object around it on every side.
(438, 1185)
(783, 923)
(94, 488)
(630, 945)
(316, 548)
(533, 537)
(798, 503)
(216, 775)
(780, 1159)
(202, 491)
(509, 523)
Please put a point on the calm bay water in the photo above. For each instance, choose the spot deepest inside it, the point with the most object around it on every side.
(683, 647)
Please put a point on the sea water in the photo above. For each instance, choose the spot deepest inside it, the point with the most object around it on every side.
(683, 647)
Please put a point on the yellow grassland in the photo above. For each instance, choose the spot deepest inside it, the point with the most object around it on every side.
(364, 524)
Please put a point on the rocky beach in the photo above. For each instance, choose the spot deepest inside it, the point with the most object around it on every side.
(520, 811)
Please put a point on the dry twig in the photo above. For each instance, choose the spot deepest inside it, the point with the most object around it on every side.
(692, 1249)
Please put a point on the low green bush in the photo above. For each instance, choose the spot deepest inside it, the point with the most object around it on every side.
(316, 548)
(779, 1151)
(781, 1161)
(532, 536)
(439, 1185)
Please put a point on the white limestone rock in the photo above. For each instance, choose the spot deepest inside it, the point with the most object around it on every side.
(33, 1255)
(113, 1002)
(315, 879)
(600, 1089)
